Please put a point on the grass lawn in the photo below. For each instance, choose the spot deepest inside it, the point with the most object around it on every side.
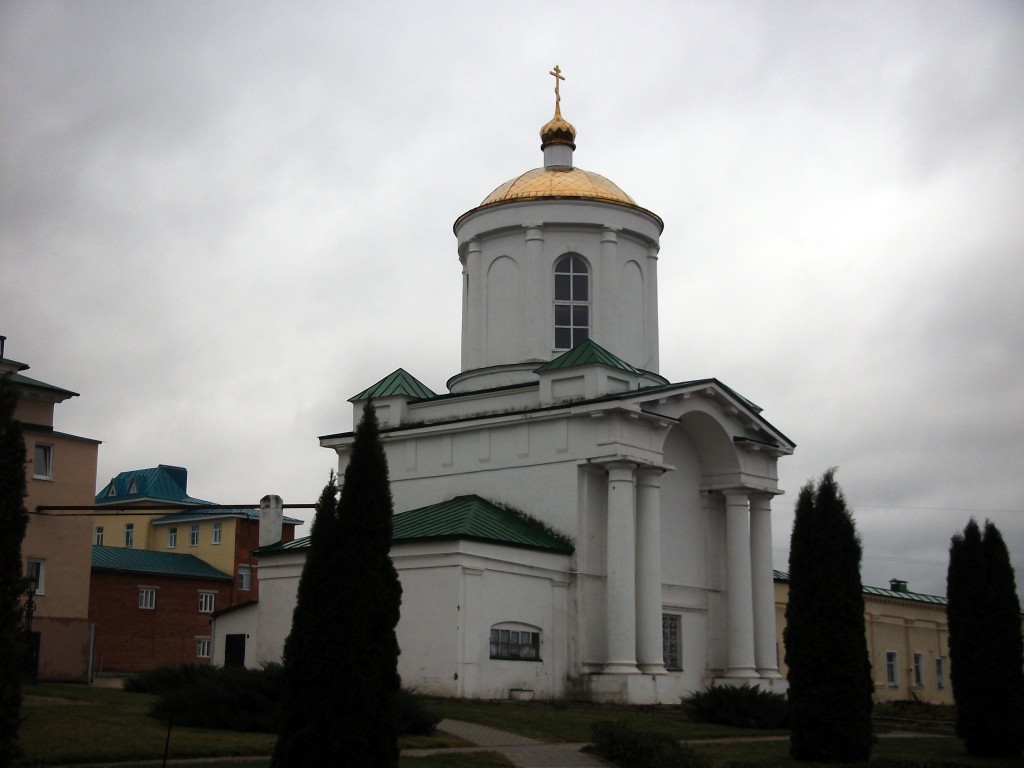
(66, 724)
(572, 722)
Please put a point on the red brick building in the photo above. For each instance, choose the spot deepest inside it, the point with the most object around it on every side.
(152, 609)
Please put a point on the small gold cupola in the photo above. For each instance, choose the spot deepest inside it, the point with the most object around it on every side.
(557, 135)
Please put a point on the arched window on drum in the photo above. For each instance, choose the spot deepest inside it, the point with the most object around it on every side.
(572, 301)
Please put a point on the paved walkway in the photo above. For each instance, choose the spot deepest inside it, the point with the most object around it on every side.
(523, 752)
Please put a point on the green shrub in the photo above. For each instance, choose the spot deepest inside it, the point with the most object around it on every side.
(745, 706)
(617, 742)
(412, 716)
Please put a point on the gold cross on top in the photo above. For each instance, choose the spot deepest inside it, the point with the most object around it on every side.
(557, 73)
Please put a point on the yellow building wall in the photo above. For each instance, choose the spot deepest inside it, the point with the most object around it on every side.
(155, 537)
(905, 627)
(56, 538)
(220, 556)
(114, 529)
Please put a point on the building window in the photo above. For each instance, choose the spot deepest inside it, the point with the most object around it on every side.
(172, 538)
(129, 534)
(244, 578)
(193, 536)
(97, 536)
(216, 531)
(891, 670)
(35, 574)
(42, 464)
(206, 601)
(671, 640)
(919, 670)
(203, 647)
(572, 302)
(147, 598)
(940, 673)
(515, 643)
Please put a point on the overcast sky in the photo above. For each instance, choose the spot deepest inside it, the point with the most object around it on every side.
(220, 220)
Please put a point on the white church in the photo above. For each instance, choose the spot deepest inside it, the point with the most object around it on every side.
(568, 522)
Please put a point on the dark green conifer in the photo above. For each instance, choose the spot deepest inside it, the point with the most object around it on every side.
(341, 658)
(830, 684)
(13, 523)
(986, 650)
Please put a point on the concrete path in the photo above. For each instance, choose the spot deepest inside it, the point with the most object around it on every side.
(521, 751)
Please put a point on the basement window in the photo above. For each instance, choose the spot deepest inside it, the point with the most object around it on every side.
(515, 642)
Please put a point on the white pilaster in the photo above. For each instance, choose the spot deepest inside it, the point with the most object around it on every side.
(473, 331)
(740, 597)
(540, 339)
(621, 570)
(650, 654)
(762, 585)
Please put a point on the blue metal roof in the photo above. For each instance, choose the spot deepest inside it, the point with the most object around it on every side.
(156, 563)
(160, 483)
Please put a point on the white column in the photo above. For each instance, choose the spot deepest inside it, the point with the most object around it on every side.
(603, 284)
(473, 355)
(763, 585)
(621, 569)
(538, 286)
(651, 310)
(649, 652)
(740, 598)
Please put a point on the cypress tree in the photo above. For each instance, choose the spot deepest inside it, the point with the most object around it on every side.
(13, 523)
(341, 658)
(830, 684)
(986, 650)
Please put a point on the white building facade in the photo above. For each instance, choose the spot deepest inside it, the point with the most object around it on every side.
(658, 578)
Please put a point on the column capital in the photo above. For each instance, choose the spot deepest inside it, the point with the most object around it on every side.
(534, 231)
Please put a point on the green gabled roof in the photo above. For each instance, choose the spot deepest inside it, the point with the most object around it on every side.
(587, 352)
(471, 517)
(464, 517)
(917, 597)
(398, 384)
(26, 381)
(156, 563)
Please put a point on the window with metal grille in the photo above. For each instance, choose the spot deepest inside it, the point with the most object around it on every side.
(672, 640)
(514, 643)
(572, 302)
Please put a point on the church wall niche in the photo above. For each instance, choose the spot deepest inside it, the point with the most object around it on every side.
(503, 311)
(683, 529)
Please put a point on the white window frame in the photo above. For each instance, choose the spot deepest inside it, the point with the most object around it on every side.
(204, 647)
(129, 535)
(207, 601)
(892, 669)
(520, 642)
(568, 265)
(147, 598)
(672, 641)
(244, 578)
(919, 670)
(42, 462)
(193, 535)
(36, 567)
(217, 535)
(172, 537)
(97, 536)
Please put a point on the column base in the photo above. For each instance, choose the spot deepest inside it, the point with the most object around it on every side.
(620, 668)
(653, 669)
(742, 673)
(635, 689)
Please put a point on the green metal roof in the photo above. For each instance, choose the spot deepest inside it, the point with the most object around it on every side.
(587, 352)
(156, 563)
(397, 384)
(471, 517)
(252, 513)
(464, 517)
(26, 381)
(160, 483)
(880, 592)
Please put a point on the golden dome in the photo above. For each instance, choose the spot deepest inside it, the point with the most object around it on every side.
(558, 182)
(557, 130)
